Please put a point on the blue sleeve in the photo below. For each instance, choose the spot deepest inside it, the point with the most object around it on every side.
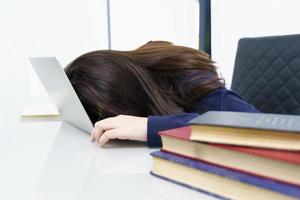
(233, 102)
(221, 100)
(159, 123)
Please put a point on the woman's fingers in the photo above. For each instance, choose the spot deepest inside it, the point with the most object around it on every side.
(107, 135)
(122, 127)
(92, 136)
(101, 127)
(98, 132)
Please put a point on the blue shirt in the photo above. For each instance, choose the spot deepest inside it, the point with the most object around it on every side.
(218, 100)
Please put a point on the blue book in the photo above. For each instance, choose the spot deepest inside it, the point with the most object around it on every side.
(219, 181)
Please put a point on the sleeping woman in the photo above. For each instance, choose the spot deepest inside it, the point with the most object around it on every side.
(132, 95)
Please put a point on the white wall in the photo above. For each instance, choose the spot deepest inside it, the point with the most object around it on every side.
(135, 22)
(234, 19)
(61, 28)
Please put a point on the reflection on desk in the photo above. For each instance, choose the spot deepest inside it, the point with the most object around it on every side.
(77, 169)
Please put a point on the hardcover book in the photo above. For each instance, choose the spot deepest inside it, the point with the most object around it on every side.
(220, 181)
(248, 129)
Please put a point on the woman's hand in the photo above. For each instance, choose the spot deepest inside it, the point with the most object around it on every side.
(122, 127)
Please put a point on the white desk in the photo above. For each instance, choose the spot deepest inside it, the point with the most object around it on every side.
(53, 160)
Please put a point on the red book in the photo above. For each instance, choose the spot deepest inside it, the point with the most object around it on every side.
(279, 165)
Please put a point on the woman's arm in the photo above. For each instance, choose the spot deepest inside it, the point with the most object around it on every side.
(146, 129)
(137, 128)
(159, 123)
(221, 100)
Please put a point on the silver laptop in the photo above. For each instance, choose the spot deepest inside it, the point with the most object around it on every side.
(59, 88)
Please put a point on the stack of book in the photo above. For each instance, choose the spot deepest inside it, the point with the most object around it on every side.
(234, 155)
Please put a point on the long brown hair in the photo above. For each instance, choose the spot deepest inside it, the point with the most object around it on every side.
(156, 79)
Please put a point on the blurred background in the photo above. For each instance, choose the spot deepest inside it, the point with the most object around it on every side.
(68, 28)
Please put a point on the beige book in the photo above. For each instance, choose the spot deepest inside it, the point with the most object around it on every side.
(40, 110)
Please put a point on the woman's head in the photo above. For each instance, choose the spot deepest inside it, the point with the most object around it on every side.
(156, 79)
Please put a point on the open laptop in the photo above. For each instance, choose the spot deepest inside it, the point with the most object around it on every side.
(59, 88)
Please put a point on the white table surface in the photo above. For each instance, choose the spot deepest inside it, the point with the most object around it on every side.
(50, 159)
